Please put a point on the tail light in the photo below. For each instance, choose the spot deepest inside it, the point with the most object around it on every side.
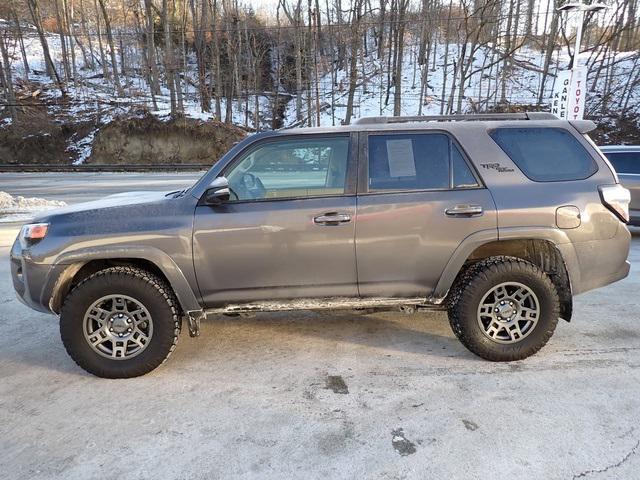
(616, 198)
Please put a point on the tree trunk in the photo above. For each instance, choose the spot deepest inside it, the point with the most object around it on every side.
(397, 93)
(168, 58)
(63, 41)
(7, 80)
(114, 62)
(34, 9)
(23, 51)
(353, 59)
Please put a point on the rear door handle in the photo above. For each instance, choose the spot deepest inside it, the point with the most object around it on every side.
(332, 218)
(464, 211)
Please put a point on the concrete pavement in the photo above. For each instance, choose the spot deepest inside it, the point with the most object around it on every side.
(320, 395)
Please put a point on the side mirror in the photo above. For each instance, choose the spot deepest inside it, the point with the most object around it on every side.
(218, 192)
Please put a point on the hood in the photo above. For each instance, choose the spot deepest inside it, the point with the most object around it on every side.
(112, 201)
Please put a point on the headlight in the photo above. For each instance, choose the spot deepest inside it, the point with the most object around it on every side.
(32, 233)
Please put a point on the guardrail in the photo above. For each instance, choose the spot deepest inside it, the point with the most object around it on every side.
(21, 167)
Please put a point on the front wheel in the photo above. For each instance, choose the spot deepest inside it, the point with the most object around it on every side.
(504, 308)
(120, 322)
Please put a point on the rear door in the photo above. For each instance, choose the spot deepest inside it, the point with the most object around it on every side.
(418, 199)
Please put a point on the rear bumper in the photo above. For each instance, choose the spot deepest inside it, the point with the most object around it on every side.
(599, 262)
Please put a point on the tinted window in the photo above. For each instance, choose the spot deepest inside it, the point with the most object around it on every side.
(416, 162)
(625, 162)
(291, 168)
(546, 154)
(462, 176)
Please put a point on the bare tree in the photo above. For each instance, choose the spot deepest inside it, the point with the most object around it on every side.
(356, 19)
(6, 77)
(34, 9)
(112, 50)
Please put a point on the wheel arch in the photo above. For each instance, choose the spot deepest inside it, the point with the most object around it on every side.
(79, 265)
(549, 252)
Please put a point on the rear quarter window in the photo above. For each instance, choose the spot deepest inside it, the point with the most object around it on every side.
(546, 154)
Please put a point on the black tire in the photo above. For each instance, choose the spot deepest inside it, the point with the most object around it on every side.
(479, 279)
(151, 291)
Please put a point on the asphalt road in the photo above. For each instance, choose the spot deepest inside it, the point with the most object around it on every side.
(82, 187)
(306, 395)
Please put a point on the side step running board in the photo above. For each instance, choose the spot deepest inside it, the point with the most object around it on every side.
(323, 304)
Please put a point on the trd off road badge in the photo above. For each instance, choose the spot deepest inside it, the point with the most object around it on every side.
(496, 166)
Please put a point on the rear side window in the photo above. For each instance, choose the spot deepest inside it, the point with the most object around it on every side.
(625, 162)
(546, 154)
(423, 161)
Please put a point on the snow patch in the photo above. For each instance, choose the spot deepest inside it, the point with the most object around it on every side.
(81, 148)
(19, 208)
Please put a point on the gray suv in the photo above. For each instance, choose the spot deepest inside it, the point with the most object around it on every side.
(498, 219)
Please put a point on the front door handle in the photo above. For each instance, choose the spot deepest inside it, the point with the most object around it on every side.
(332, 218)
(464, 211)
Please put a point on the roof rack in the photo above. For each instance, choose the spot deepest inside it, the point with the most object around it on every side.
(459, 118)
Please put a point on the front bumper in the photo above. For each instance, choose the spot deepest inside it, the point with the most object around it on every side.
(31, 281)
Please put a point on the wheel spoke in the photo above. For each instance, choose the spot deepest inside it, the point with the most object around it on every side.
(529, 314)
(139, 316)
(139, 339)
(500, 292)
(98, 337)
(494, 329)
(119, 349)
(514, 331)
(520, 294)
(99, 315)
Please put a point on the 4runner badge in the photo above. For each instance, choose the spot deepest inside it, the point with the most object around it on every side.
(496, 166)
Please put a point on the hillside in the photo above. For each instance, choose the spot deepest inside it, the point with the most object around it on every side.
(77, 120)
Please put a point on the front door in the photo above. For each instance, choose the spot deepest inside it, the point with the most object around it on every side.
(288, 230)
(419, 200)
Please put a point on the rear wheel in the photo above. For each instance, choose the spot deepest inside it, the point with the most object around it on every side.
(120, 322)
(504, 308)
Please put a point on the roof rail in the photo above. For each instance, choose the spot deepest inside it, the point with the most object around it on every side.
(459, 118)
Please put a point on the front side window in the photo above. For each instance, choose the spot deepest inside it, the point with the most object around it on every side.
(545, 154)
(291, 169)
(422, 161)
(625, 162)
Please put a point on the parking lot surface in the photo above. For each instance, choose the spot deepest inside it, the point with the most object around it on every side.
(321, 395)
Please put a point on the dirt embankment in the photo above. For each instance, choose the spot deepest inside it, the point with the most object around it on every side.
(39, 139)
(149, 141)
(144, 140)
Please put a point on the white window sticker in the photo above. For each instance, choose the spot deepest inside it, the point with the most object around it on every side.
(400, 155)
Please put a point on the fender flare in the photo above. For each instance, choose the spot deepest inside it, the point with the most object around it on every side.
(69, 263)
(553, 235)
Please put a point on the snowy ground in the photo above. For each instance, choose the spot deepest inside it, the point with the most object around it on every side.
(321, 395)
(19, 208)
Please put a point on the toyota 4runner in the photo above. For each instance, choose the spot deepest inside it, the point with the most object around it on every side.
(499, 219)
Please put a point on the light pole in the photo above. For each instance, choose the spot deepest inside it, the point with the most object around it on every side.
(568, 99)
(581, 8)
